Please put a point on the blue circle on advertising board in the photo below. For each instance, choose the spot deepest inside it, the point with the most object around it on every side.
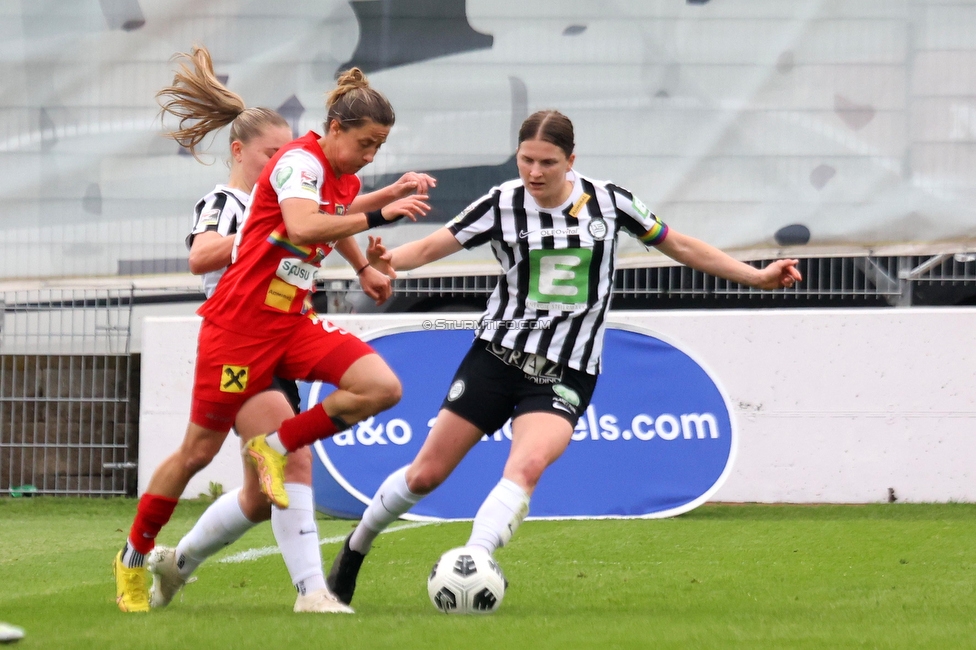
(656, 440)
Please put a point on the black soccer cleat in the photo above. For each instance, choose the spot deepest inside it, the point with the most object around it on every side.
(345, 569)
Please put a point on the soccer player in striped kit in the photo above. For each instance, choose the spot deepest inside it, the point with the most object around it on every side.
(536, 355)
(256, 325)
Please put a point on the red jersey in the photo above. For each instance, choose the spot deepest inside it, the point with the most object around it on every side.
(264, 289)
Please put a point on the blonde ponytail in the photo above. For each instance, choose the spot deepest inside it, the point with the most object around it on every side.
(202, 104)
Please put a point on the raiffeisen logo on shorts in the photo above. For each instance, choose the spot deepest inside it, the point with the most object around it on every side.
(656, 440)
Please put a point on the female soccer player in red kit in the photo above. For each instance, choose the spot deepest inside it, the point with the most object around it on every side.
(257, 325)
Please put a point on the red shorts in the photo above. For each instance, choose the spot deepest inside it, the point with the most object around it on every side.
(232, 367)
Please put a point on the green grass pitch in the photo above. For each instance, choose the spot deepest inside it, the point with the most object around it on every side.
(877, 576)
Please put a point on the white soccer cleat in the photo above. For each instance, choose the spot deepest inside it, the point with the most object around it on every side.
(167, 580)
(10, 633)
(322, 601)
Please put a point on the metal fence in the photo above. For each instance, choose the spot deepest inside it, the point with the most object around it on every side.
(841, 281)
(69, 393)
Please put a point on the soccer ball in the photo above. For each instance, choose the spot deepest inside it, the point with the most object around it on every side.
(466, 580)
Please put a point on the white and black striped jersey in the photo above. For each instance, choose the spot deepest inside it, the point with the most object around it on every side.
(557, 265)
(221, 211)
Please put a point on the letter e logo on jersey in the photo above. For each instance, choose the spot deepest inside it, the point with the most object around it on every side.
(559, 279)
(233, 379)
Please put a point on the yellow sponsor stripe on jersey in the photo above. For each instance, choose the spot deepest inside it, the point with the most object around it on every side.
(280, 295)
(580, 202)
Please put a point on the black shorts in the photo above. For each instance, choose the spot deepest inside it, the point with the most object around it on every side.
(289, 388)
(493, 384)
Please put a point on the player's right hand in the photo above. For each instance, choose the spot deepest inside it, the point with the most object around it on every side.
(376, 285)
(414, 182)
(412, 206)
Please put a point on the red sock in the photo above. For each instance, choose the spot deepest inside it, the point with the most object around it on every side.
(151, 515)
(305, 428)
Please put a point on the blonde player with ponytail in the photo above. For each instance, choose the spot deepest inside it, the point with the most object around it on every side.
(301, 199)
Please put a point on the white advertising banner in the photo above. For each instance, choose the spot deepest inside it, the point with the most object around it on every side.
(828, 406)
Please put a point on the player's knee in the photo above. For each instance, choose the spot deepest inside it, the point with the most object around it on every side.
(255, 506)
(385, 393)
(529, 470)
(425, 478)
(197, 458)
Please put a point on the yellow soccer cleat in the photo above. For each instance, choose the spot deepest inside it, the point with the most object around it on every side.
(131, 586)
(270, 466)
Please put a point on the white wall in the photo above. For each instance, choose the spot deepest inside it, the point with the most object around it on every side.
(832, 405)
(168, 352)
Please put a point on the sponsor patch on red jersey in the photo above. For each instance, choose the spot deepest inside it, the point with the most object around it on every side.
(309, 181)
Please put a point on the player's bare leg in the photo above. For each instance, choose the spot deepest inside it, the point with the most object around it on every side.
(538, 439)
(236, 512)
(155, 508)
(451, 438)
(367, 387)
(229, 517)
(197, 450)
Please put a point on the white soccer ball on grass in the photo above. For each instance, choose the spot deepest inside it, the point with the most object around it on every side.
(466, 580)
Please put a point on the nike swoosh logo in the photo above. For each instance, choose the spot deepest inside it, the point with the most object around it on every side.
(307, 532)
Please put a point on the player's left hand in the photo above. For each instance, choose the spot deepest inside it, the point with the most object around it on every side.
(413, 183)
(375, 285)
(379, 257)
(781, 273)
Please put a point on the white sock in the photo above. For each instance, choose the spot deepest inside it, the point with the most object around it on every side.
(274, 442)
(499, 516)
(221, 524)
(393, 499)
(298, 538)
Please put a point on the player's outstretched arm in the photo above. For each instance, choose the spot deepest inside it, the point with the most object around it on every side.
(705, 257)
(409, 183)
(435, 246)
(307, 226)
(373, 283)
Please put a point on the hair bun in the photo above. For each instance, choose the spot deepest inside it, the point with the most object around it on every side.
(350, 80)
(353, 101)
